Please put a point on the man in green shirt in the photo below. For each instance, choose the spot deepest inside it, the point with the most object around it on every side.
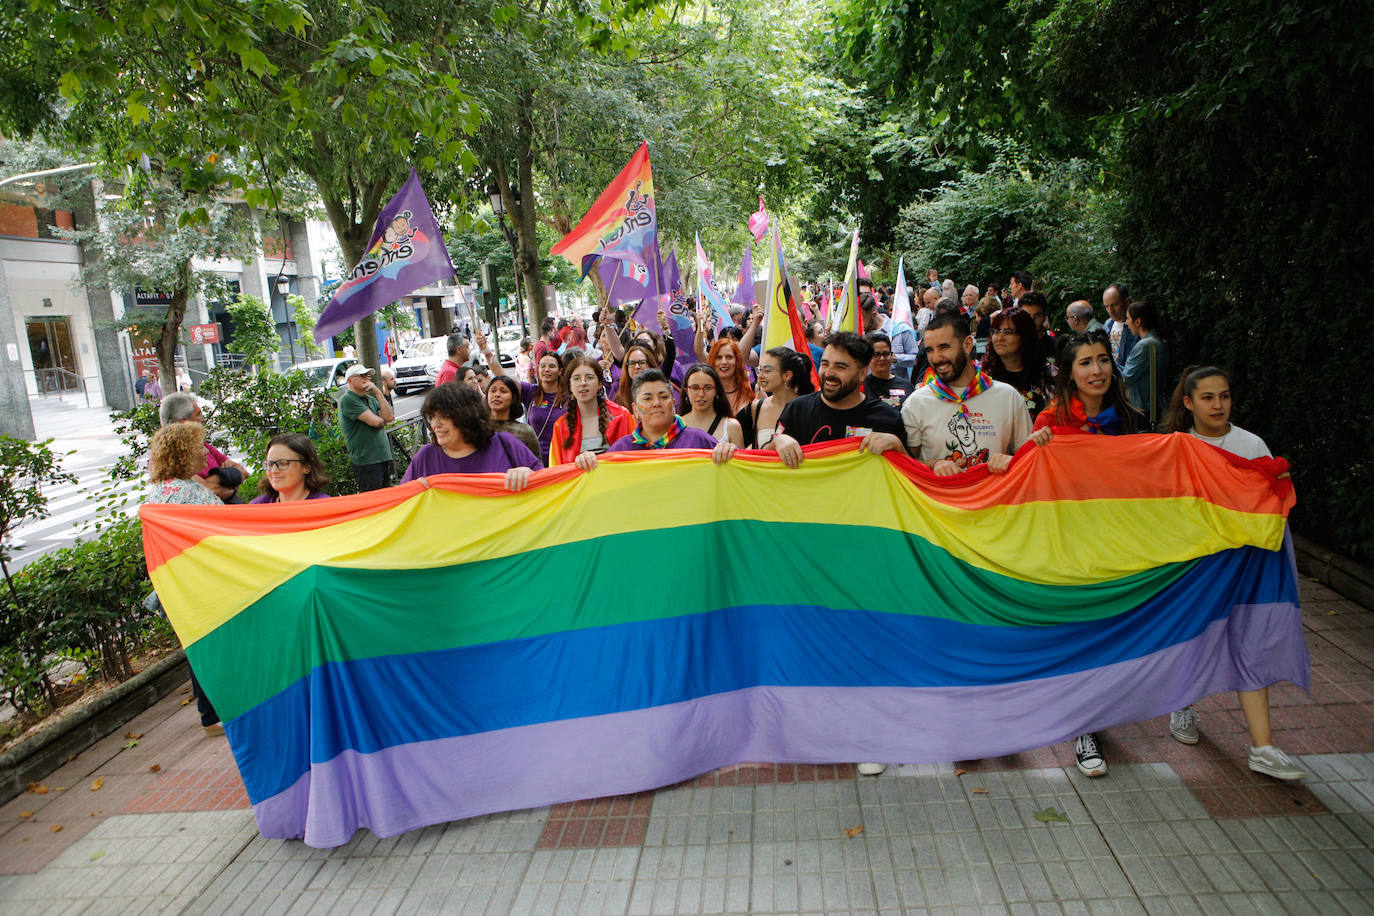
(363, 416)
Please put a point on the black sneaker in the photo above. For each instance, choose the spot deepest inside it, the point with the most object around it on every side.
(1090, 759)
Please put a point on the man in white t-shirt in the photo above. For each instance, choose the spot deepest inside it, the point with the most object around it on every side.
(962, 418)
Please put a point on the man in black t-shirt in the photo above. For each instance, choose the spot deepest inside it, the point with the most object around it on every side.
(881, 382)
(841, 408)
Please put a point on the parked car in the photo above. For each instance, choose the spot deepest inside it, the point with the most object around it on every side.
(419, 364)
(508, 344)
(328, 373)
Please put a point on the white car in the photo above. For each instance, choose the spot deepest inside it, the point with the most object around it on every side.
(327, 373)
(419, 364)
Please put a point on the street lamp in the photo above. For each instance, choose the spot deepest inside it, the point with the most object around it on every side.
(284, 287)
(498, 206)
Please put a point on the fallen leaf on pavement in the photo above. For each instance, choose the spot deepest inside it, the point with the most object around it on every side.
(852, 832)
(1050, 814)
(59, 788)
(959, 772)
(95, 786)
(980, 791)
(37, 788)
(95, 814)
(186, 690)
(185, 701)
(134, 735)
(25, 815)
(129, 744)
(54, 828)
(98, 854)
(155, 768)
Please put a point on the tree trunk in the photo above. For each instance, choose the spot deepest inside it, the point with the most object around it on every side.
(171, 329)
(353, 231)
(522, 211)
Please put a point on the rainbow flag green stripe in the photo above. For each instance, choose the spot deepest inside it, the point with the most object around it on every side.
(474, 603)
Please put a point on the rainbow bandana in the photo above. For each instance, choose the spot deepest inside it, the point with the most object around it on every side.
(981, 382)
(667, 440)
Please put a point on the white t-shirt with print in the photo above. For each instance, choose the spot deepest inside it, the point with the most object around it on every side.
(1238, 442)
(997, 423)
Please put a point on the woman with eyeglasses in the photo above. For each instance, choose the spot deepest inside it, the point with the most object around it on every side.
(639, 357)
(1015, 357)
(293, 471)
(783, 375)
(702, 405)
(881, 382)
(592, 423)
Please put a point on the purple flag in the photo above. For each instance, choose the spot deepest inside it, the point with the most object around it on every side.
(629, 282)
(744, 294)
(406, 252)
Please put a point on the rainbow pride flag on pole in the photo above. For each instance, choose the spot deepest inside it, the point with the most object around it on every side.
(378, 666)
(621, 227)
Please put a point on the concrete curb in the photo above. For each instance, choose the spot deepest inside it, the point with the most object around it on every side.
(50, 747)
(1336, 572)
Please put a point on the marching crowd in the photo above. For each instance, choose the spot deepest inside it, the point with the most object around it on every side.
(969, 384)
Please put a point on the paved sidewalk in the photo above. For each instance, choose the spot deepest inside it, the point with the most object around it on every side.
(163, 825)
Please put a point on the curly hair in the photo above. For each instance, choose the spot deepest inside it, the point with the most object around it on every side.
(316, 477)
(462, 406)
(177, 452)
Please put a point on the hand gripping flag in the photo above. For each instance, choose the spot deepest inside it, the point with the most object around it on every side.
(901, 302)
(844, 312)
(406, 252)
(744, 293)
(621, 227)
(711, 296)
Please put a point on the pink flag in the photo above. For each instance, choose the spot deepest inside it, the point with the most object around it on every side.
(758, 223)
(863, 272)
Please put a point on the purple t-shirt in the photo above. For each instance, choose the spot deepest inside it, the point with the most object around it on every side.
(691, 437)
(502, 453)
(541, 417)
(272, 498)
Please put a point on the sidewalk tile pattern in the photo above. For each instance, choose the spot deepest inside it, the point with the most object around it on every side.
(1171, 829)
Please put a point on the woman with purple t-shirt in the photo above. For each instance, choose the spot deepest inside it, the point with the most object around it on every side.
(292, 472)
(658, 426)
(464, 442)
(544, 401)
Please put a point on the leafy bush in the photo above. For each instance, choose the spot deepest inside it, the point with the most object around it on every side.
(83, 602)
(1051, 218)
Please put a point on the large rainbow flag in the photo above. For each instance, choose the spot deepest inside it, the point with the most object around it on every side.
(445, 649)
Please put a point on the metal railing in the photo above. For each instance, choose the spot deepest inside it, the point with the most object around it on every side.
(406, 438)
(59, 381)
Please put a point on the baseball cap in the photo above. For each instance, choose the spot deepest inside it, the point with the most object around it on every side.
(356, 369)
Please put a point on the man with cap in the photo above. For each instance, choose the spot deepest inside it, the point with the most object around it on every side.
(363, 416)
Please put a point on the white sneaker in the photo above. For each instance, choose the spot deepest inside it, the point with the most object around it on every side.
(1271, 761)
(1090, 759)
(1183, 725)
(871, 769)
